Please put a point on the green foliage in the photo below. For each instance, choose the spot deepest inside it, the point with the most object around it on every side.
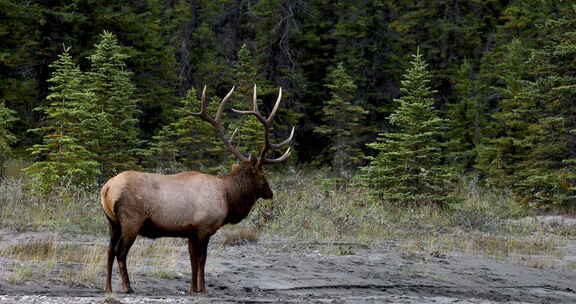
(343, 122)
(500, 155)
(409, 166)
(63, 157)
(487, 81)
(32, 34)
(91, 126)
(249, 137)
(7, 119)
(467, 118)
(533, 156)
(546, 176)
(117, 144)
(188, 142)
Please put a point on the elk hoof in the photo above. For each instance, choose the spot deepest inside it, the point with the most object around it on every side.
(129, 290)
(191, 292)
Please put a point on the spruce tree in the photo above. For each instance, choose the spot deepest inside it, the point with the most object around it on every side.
(250, 131)
(408, 168)
(533, 154)
(546, 177)
(343, 122)
(62, 157)
(117, 145)
(500, 156)
(7, 118)
(188, 142)
(467, 118)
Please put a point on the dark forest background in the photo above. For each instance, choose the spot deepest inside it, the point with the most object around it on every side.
(501, 77)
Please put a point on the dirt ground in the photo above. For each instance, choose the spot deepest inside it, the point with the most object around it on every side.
(274, 271)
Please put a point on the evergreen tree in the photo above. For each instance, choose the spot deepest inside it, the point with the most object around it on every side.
(546, 177)
(33, 32)
(62, 157)
(409, 166)
(7, 119)
(500, 155)
(118, 144)
(344, 123)
(203, 57)
(250, 131)
(467, 118)
(188, 142)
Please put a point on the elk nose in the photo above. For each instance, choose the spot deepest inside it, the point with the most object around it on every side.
(268, 194)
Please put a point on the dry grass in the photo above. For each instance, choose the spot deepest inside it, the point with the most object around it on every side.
(158, 258)
(84, 264)
(13, 168)
(74, 209)
(494, 246)
(484, 225)
(307, 207)
(239, 237)
(21, 274)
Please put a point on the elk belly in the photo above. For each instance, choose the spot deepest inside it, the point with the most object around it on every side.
(178, 220)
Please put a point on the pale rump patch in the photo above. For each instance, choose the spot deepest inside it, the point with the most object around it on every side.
(111, 192)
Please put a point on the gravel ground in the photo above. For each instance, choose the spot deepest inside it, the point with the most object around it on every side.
(304, 272)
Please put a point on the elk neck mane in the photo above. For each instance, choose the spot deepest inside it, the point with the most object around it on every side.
(240, 192)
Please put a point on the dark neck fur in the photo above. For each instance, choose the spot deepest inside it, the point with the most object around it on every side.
(240, 194)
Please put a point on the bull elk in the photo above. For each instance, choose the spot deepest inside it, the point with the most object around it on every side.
(190, 204)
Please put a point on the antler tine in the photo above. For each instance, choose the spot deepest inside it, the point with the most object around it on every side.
(223, 103)
(255, 101)
(285, 142)
(203, 100)
(254, 110)
(279, 159)
(233, 134)
(215, 122)
(203, 104)
(269, 120)
(267, 123)
(286, 154)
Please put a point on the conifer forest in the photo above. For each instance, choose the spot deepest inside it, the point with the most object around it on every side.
(402, 97)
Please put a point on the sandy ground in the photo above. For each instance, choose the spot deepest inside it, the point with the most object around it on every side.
(297, 272)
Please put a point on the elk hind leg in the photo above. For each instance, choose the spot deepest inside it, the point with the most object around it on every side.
(115, 234)
(129, 234)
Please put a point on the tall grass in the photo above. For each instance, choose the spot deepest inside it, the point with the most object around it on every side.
(304, 208)
(83, 264)
(307, 207)
(72, 209)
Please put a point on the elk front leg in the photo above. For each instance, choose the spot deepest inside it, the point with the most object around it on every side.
(198, 249)
(192, 251)
(202, 263)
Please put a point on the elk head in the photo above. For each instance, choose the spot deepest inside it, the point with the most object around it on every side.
(254, 166)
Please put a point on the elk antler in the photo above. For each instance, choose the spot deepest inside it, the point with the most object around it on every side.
(215, 122)
(267, 122)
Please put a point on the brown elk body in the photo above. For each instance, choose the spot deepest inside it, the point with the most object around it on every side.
(190, 205)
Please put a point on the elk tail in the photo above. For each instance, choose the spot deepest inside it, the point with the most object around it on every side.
(108, 203)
